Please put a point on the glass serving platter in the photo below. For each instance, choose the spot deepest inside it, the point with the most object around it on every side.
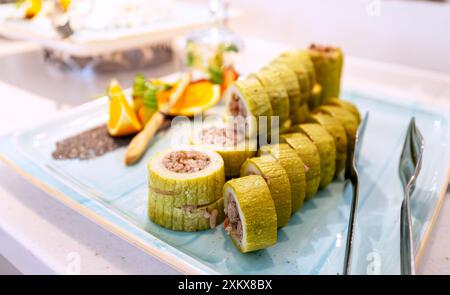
(115, 196)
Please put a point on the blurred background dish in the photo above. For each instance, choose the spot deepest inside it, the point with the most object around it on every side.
(104, 35)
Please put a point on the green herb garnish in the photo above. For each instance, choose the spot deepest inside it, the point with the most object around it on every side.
(228, 47)
(215, 74)
(149, 98)
(190, 54)
(139, 85)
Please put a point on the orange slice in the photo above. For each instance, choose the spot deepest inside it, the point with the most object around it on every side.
(197, 98)
(64, 4)
(33, 8)
(122, 118)
(145, 114)
(229, 76)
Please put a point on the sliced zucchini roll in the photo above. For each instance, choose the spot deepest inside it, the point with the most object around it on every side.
(228, 142)
(328, 62)
(326, 147)
(350, 123)
(279, 99)
(346, 105)
(187, 218)
(278, 182)
(289, 79)
(251, 218)
(335, 128)
(293, 164)
(247, 99)
(308, 152)
(190, 175)
(293, 62)
(301, 114)
(316, 97)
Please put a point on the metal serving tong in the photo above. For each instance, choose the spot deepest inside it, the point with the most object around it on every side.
(409, 168)
(61, 21)
(352, 175)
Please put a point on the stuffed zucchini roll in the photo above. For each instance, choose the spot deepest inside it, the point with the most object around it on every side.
(248, 100)
(183, 179)
(328, 63)
(251, 218)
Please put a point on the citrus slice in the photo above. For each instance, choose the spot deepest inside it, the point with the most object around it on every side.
(33, 8)
(122, 118)
(229, 76)
(145, 114)
(197, 98)
(64, 4)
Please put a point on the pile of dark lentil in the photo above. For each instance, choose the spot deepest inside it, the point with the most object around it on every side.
(89, 144)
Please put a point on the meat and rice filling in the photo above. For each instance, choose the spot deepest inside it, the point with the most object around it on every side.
(237, 107)
(328, 50)
(186, 161)
(238, 110)
(211, 215)
(221, 136)
(233, 223)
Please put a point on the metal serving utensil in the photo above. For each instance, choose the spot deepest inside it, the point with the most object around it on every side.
(61, 20)
(409, 169)
(352, 176)
(61, 23)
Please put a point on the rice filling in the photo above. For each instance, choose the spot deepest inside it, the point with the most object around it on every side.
(186, 161)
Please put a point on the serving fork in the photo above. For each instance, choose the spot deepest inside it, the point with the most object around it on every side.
(352, 177)
(409, 169)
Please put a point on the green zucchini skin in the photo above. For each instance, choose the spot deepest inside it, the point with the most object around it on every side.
(337, 131)
(326, 147)
(161, 210)
(309, 153)
(289, 79)
(278, 181)
(309, 65)
(292, 61)
(301, 114)
(279, 99)
(316, 97)
(346, 105)
(350, 124)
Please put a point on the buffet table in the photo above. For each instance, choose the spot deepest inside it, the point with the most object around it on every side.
(39, 235)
